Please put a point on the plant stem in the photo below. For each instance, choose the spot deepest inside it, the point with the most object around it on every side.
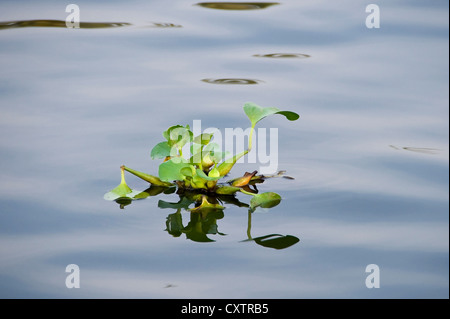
(247, 193)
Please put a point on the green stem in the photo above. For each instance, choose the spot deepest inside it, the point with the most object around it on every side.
(122, 174)
(146, 177)
(250, 138)
(247, 193)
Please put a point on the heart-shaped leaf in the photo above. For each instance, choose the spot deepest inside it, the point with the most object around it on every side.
(256, 113)
(161, 150)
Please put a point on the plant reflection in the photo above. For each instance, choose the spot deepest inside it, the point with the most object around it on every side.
(237, 5)
(204, 212)
(58, 24)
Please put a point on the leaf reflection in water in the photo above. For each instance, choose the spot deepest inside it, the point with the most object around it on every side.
(237, 5)
(206, 209)
(58, 24)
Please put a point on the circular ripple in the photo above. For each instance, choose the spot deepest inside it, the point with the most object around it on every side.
(232, 81)
(283, 55)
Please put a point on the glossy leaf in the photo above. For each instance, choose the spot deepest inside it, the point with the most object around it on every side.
(122, 190)
(171, 169)
(256, 113)
(265, 200)
(227, 190)
(244, 180)
(161, 150)
(148, 178)
(202, 174)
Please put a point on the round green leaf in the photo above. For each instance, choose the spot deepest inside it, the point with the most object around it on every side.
(265, 200)
(171, 169)
(161, 150)
(256, 113)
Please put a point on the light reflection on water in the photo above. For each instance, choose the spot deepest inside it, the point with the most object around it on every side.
(70, 120)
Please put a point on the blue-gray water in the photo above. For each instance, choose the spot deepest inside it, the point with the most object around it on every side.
(370, 152)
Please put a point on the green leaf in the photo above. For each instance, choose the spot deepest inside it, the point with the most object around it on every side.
(265, 200)
(171, 169)
(256, 113)
(203, 139)
(188, 171)
(202, 174)
(177, 136)
(225, 167)
(214, 173)
(122, 190)
(161, 150)
(227, 190)
(148, 178)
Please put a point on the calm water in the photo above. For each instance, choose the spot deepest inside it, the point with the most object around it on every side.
(370, 153)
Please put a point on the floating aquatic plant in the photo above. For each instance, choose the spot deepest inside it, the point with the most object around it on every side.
(202, 171)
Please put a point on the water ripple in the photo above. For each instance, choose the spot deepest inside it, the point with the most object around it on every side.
(283, 55)
(234, 81)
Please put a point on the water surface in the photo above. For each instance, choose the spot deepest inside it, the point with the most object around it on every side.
(369, 153)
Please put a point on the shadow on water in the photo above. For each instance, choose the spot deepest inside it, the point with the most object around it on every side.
(204, 212)
(58, 24)
(232, 81)
(237, 5)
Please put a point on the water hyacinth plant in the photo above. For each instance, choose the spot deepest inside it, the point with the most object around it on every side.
(202, 171)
